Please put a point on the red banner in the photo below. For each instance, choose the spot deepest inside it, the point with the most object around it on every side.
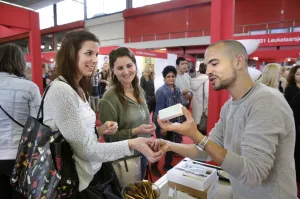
(284, 39)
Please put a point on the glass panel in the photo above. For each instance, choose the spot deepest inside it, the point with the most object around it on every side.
(46, 43)
(69, 11)
(97, 8)
(46, 17)
(140, 3)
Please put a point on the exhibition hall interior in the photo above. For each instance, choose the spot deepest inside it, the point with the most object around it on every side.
(150, 99)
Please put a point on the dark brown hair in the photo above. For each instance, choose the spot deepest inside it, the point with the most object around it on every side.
(291, 76)
(202, 68)
(67, 59)
(113, 56)
(12, 60)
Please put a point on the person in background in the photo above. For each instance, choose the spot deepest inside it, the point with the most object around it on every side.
(105, 78)
(200, 86)
(192, 73)
(124, 102)
(46, 80)
(183, 81)
(66, 108)
(166, 96)
(19, 98)
(282, 80)
(147, 84)
(270, 76)
(292, 95)
(293, 86)
(28, 73)
(95, 95)
(254, 139)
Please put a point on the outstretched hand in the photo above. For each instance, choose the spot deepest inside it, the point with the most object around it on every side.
(187, 128)
(149, 147)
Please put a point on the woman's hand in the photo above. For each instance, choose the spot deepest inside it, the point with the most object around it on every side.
(142, 145)
(108, 128)
(144, 128)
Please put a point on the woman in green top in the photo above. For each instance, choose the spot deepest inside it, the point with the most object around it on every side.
(124, 102)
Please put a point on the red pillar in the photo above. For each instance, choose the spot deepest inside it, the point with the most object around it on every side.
(35, 50)
(222, 24)
(258, 65)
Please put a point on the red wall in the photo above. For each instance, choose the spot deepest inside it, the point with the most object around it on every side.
(194, 16)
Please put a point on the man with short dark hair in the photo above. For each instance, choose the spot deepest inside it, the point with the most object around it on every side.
(254, 139)
(183, 81)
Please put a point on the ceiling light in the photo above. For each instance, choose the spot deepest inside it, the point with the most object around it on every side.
(288, 59)
(50, 48)
(42, 46)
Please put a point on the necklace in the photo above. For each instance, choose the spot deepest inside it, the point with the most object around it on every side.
(247, 92)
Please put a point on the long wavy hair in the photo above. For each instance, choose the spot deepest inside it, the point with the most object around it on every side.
(67, 59)
(291, 76)
(113, 56)
(146, 73)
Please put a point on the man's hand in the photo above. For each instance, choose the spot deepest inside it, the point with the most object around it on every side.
(165, 145)
(188, 128)
(142, 145)
(163, 132)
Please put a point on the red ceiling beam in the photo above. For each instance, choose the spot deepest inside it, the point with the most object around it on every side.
(165, 6)
(14, 16)
(65, 27)
(10, 31)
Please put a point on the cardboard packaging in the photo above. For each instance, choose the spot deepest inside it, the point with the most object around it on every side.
(170, 112)
(193, 175)
(190, 193)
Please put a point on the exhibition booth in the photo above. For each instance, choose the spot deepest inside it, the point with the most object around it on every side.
(143, 57)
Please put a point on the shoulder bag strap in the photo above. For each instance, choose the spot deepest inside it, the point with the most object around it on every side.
(203, 97)
(11, 117)
(41, 111)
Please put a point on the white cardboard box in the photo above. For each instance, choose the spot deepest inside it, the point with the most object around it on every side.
(170, 112)
(190, 174)
(189, 193)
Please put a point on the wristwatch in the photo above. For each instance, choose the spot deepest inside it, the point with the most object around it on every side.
(200, 146)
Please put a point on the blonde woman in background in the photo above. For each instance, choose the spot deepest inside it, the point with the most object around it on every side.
(147, 84)
(271, 75)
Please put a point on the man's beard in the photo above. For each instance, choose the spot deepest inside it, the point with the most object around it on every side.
(224, 84)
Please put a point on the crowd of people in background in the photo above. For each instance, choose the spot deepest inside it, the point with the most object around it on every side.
(126, 105)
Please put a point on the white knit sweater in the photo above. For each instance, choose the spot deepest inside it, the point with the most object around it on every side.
(61, 111)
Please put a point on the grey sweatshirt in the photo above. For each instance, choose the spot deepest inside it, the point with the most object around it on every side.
(258, 132)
